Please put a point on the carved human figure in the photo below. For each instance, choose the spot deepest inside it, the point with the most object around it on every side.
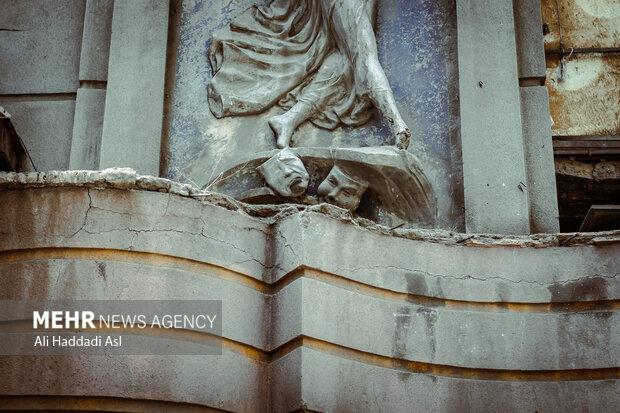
(341, 189)
(285, 173)
(317, 58)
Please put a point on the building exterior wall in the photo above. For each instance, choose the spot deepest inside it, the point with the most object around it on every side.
(583, 66)
(584, 87)
(137, 98)
(40, 52)
(420, 318)
(323, 311)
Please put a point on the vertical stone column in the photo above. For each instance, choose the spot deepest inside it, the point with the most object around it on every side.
(132, 125)
(93, 75)
(536, 118)
(494, 176)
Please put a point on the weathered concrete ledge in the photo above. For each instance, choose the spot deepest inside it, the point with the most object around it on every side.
(126, 178)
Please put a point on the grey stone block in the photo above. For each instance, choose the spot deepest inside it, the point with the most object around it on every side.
(40, 45)
(286, 314)
(541, 186)
(492, 142)
(96, 40)
(100, 219)
(484, 273)
(46, 128)
(285, 392)
(87, 129)
(112, 277)
(476, 338)
(335, 384)
(132, 125)
(529, 37)
(230, 382)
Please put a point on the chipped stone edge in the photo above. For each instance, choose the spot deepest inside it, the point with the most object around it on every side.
(128, 179)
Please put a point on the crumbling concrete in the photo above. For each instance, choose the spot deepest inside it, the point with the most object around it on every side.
(127, 178)
(590, 171)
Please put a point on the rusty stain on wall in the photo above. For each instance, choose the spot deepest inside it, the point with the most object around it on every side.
(587, 100)
(585, 23)
(584, 95)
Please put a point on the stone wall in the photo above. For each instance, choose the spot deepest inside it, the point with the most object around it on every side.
(101, 84)
(583, 81)
(583, 66)
(40, 53)
(417, 47)
(422, 319)
(60, 55)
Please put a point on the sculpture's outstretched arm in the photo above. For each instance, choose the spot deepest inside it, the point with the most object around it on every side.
(354, 33)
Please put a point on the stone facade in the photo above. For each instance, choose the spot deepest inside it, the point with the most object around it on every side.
(138, 194)
(438, 319)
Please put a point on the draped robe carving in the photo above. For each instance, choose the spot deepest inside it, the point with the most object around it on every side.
(287, 52)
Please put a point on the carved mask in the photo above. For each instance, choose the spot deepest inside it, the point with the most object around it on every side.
(342, 190)
(285, 173)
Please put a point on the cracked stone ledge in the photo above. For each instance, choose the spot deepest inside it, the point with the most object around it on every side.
(128, 179)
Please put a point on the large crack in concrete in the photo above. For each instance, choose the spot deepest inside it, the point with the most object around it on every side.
(340, 270)
(127, 179)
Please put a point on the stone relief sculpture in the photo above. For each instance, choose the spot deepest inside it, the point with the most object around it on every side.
(315, 58)
(382, 184)
(285, 173)
(341, 189)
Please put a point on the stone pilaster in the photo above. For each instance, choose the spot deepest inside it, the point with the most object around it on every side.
(93, 73)
(132, 125)
(494, 172)
(536, 119)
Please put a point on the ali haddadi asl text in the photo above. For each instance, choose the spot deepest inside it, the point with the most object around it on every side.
(77, 341)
